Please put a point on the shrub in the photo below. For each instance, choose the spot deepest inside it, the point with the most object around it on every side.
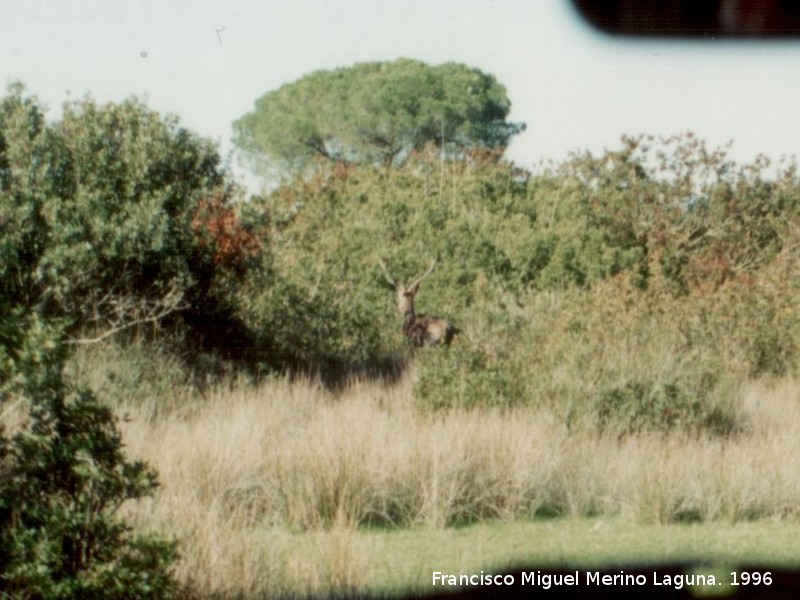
(465, 376)
(123, 248)
(324, 329)
(116, 217)
(637, 406)
(64, 476)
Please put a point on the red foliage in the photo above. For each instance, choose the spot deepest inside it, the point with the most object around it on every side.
(220, 231)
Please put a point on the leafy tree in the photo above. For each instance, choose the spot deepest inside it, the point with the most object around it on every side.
(127, 183)
(115, 216)
(375, 112)
(23, 193)
(63, 474)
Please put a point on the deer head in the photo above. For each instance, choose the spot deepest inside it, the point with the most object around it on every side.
(419, 329)
(405, 293)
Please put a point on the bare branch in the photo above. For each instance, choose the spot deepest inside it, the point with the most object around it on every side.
(126, 313)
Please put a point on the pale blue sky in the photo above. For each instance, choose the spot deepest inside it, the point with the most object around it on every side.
(208, 60)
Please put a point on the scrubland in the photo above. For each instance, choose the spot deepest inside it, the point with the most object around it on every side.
(626, 383)
(286, 487)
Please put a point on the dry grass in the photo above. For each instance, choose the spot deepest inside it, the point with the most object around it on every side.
(266, 487)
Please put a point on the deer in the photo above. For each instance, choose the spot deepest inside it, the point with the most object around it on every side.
(421, 330)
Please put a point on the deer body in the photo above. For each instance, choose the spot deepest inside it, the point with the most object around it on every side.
(428, 329)
(421, 330)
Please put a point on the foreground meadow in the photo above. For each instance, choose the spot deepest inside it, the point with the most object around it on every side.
(289, 489)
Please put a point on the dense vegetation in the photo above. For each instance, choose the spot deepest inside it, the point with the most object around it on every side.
(63, 477)
(82, 221)
(661, 249)
(117, 221)
(631, 292)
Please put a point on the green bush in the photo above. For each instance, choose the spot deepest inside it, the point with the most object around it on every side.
(661, 406)
(130, 183)
(467, 377)
(24, 191)
(63, 478)
(117, 217)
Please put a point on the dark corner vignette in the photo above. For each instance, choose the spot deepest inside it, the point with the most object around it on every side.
(703, 19)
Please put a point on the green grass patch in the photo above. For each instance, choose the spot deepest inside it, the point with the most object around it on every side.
(402, 561)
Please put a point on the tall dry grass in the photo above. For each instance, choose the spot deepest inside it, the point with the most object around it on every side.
(259, 484)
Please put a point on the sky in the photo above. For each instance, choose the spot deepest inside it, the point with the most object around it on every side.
(207, 61)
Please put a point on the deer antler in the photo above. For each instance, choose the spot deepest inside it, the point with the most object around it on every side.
(420, 279)
(386, 273)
